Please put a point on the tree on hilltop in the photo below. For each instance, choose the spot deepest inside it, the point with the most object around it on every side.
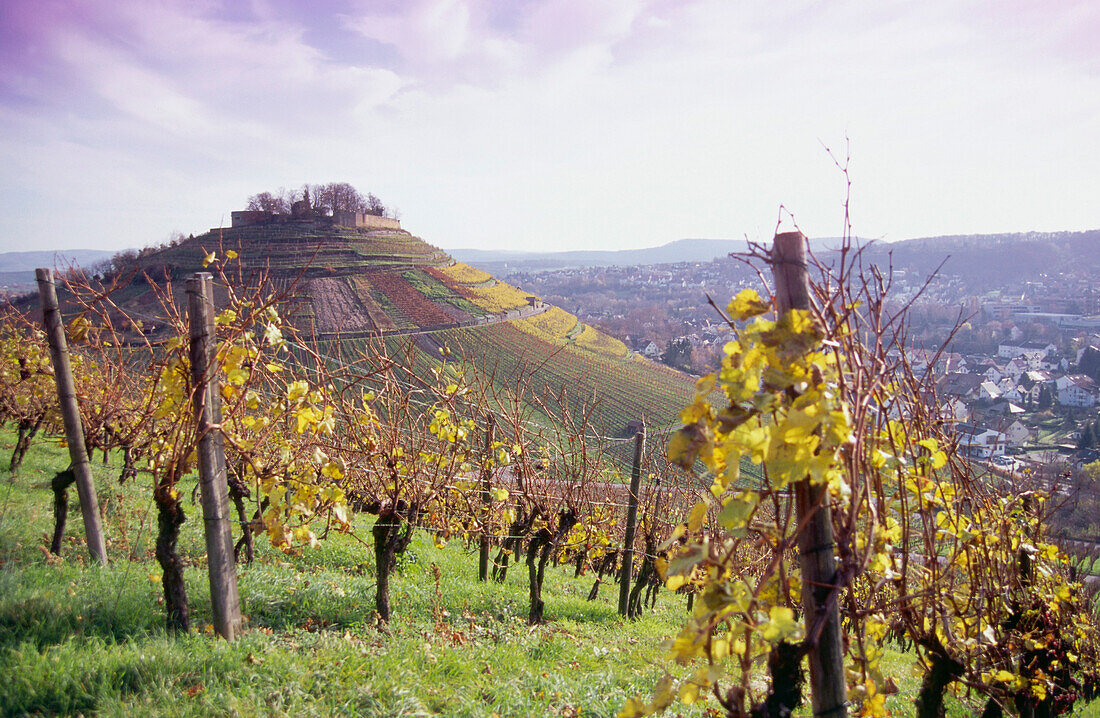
(326, 198)
(268, 202)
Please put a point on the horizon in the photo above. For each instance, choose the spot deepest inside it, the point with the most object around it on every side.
(524, 252)
(555, 125)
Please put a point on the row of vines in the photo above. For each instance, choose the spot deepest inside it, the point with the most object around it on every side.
(952, 567)
(311, 440)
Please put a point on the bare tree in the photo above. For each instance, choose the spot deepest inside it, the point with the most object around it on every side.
(330, 198)
(268, 202)
(374, 206)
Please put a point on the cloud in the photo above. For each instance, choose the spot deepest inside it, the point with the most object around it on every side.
(564, 122)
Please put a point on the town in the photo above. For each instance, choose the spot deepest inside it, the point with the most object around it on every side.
(1014, 356)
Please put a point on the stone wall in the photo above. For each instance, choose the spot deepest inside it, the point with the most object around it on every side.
(367, 221)
(243, 218)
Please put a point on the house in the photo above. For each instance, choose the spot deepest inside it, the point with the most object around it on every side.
(1016, 432)
(1004, 416)
(925, 361)
(1015, 367)
(958, 384)
(988, 390)
(1076, 390)
(652, 350)
(953, 362)
(1031, 383)
(954, 409)
(1089, 346)
(1085, 456)
(1010, 389)
(1005, 408)
(989, 370)
(978, 442)
(1016, 349)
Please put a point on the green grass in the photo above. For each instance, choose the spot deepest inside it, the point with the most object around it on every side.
(79, 639)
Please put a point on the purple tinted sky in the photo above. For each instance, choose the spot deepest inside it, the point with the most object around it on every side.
(552, 124)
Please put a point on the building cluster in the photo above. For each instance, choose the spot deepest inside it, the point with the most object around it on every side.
(990, 398)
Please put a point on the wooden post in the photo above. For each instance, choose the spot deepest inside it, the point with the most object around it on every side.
(815, 543)
(486, 501)
(70, 412)
(626, 571)
(206, 400)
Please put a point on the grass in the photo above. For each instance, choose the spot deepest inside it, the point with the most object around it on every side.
(80, 639)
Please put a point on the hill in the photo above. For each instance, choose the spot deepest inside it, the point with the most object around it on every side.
(691, 250)
(17, 268)
(357, 289)
(982, 258)
(680, 250)
(986, 260)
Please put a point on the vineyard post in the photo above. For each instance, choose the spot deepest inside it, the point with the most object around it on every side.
(486, 499)
(224, 598)
(70, 413)
(631, 519)
(815, 543)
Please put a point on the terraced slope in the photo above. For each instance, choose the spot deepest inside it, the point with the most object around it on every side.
(355, 288)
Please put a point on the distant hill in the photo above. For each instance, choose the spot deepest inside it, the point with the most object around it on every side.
(987, 260)
(17, 268)
(681, 250)
(984, 258)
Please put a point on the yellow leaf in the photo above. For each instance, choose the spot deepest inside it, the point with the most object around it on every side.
(685, 445)
(697, 516)
(633, 708)
(780, 626)
(747, 304)
(689, 693)
(297, 390)
(209, 259)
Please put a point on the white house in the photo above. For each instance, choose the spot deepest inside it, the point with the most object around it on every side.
(1076, 390)
(993, 374)
(1015, 367)
(988, 390)
(978, 442)
(1015, 349)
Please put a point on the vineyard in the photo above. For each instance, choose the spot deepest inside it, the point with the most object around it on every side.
(809, 510)
(621, 391)
(75, 640)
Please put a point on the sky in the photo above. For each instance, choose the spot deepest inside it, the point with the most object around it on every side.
(549, 125)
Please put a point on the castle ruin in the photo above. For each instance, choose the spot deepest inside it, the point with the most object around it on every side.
(303, 212)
